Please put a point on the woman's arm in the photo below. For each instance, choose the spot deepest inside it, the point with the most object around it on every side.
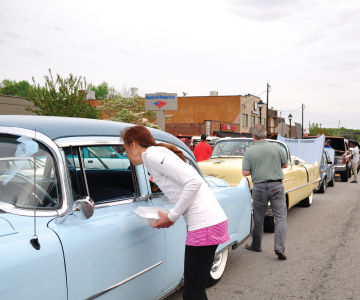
(181, 172)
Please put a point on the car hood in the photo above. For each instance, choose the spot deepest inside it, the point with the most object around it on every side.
(309, 150)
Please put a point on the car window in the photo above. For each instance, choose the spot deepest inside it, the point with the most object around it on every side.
(28, 178)
(232, 148)
(108, 175)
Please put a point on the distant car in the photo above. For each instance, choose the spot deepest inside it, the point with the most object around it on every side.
(342, 160)
(211, 140)
(327, 173)
(91, 243)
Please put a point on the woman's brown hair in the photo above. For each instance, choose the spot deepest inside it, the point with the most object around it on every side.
(143, 137)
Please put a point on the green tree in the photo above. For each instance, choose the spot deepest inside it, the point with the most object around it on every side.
(101, 90)
(13, 88)
(129, 110)
(315, 129)
(62, 97)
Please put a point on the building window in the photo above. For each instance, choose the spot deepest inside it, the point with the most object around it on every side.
(252, 121)
(245, 120)
(272, 125)
(264, 121)
(259, 120)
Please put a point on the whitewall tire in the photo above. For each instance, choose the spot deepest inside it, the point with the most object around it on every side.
(218, 267)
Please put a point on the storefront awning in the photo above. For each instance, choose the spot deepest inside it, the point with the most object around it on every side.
(228, 134)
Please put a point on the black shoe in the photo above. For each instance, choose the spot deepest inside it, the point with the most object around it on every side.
(354, 181)
(249, 247)
(280, 254)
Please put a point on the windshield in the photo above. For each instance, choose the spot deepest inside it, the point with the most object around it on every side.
(232, 147)
(27, 174)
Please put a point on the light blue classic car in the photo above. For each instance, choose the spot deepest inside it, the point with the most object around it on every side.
(86, 241)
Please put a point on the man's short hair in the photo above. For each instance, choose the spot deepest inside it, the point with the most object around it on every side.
(203, 137)
(328, 142)
(259, 131)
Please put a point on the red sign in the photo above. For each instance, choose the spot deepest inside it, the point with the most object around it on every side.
(227, 127)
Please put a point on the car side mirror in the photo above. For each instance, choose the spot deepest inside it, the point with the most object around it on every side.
(296, 162)
(330, 162)
(82, 209)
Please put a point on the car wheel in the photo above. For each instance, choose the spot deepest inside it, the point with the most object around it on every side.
(269, 224)
(323, 187)
(344, 175)
(332, 182)
(308, 200)
(218, 268)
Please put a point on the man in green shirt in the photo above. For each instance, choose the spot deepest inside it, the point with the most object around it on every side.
(264, 161)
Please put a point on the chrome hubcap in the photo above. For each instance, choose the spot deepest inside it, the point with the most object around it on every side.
(217, 262)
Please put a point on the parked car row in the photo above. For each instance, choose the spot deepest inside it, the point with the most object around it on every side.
(84, 191)
(300, 179)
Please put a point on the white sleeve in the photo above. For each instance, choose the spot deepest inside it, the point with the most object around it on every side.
(181, 172)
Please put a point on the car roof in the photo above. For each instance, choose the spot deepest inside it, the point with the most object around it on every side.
(63, 127)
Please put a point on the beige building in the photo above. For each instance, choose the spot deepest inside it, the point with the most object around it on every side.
(250, 113)
(10, 105)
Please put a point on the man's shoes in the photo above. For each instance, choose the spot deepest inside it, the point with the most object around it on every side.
(354, 181)
(249, 247)
(280, 254)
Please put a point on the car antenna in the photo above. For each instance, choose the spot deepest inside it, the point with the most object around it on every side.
(35, 241)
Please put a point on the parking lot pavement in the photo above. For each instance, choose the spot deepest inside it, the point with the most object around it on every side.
(323, 249)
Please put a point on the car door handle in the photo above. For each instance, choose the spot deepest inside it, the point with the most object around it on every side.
(90, 161)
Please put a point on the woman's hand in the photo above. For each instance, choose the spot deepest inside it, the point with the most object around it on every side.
(164, 221)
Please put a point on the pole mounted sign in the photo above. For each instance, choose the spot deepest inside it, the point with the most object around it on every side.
(161, 102)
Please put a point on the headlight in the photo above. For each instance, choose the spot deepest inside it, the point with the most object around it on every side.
(338, 160)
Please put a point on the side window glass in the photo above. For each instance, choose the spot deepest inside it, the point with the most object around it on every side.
(108, 175)
(284, 149)
(28, 174)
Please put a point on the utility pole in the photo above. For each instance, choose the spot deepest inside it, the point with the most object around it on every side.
(267, 108)
(302, 120)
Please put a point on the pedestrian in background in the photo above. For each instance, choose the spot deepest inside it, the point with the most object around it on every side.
(205, 219)
(327, 144)
(354, 160)
(264, 161)
(203, 150)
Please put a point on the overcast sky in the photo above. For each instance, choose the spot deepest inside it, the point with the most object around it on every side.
(308, 51)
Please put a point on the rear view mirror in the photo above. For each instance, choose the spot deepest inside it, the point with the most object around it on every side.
(82, 209)
(296, 162)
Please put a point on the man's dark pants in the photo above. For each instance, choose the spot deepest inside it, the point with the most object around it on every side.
(262, 194)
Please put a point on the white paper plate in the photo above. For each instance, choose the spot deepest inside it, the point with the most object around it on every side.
(149, 215)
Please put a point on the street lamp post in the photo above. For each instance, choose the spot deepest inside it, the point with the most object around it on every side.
(290, 118)
(260, 104)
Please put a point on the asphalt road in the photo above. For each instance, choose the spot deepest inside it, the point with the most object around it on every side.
(323, 249)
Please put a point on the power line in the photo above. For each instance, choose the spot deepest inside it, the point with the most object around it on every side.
(291, 110)
(254, 96)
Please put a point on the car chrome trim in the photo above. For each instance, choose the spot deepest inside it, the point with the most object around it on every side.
(115, 203)
(299, 187)
(108, 141)
(55, 151)
(122, 282)
(121, 202)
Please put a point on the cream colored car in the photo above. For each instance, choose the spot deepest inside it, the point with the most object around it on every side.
(300, 179)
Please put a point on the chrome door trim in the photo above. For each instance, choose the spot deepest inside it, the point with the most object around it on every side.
(89, 142)
(299, 187)
(121, 202)
(122, 282)
(55, 151)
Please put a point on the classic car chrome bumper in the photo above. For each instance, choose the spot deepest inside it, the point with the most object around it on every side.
(340, 168)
